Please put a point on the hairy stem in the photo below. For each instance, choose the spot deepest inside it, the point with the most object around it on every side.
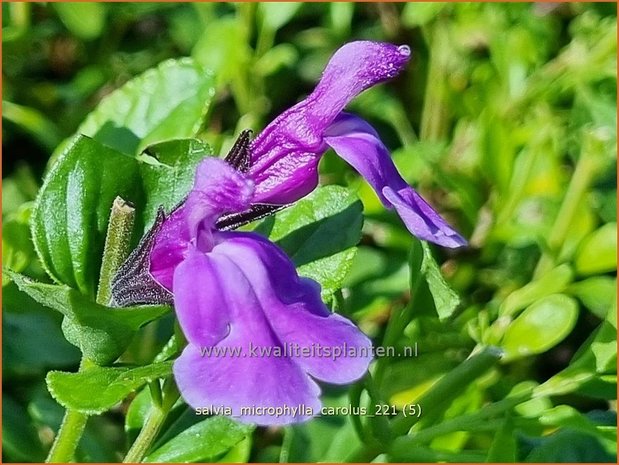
(68, 437)
(152, 426)
(147, 435)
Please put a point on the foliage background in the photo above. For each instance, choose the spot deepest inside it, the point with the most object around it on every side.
(505, 120)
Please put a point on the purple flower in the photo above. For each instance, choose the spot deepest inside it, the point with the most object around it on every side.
(284, 156)
(256, 331)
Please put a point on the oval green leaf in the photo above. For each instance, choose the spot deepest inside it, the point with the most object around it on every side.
(85, 19)
(540, 327)
(166, 102)
(203, 441)
(169, 179)
(598, 251)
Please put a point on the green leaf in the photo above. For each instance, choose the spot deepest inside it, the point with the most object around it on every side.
(101, 333)
(319, 234)
(29, 332)
(571, 447)
(31, 120)
(276, 15)
(275, 58)
(596, 293)
(598, 251)
(566, 416)
(604, 345)
(605, 351)
(85, 20)
(203, 441)
(223, 49)
(168, 180)
(421, 13)
(340, 17)
(137, 413)
(446, 300)
(166, 102)
(552, 282)
(540, 327)
(111, 385)
(582, 368)
(31, 326)
(71, 213)
(327, 438)
(239, 453)
(17, 248)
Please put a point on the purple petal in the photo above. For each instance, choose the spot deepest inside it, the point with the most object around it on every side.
(200, 300)
(285, 154)
(247, 290)
(336, 351)
(239, 383)
(218, 188)
(169, 248)
(421, 219)
(213, 284)
(358, 143)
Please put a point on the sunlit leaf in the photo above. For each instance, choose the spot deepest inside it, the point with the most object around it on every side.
(111, 384)
(203, 441)
(540, 327)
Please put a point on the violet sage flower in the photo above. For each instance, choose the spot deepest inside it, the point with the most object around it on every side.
(284, 156)
(235, 292)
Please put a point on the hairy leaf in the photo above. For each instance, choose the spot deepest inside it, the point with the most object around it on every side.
(111, 385)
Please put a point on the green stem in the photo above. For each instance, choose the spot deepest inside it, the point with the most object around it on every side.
(68, 437)
(115, 252)
(284, 454)
(150, 430)
(435, 116)
(589, 163)
(474, 421)
(398, 321)
(437, 399)
(147, 435)
(355, 400)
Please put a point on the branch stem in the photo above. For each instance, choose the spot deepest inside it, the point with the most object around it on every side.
(147, 435)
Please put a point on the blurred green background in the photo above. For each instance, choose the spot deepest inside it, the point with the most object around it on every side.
(505, 121)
